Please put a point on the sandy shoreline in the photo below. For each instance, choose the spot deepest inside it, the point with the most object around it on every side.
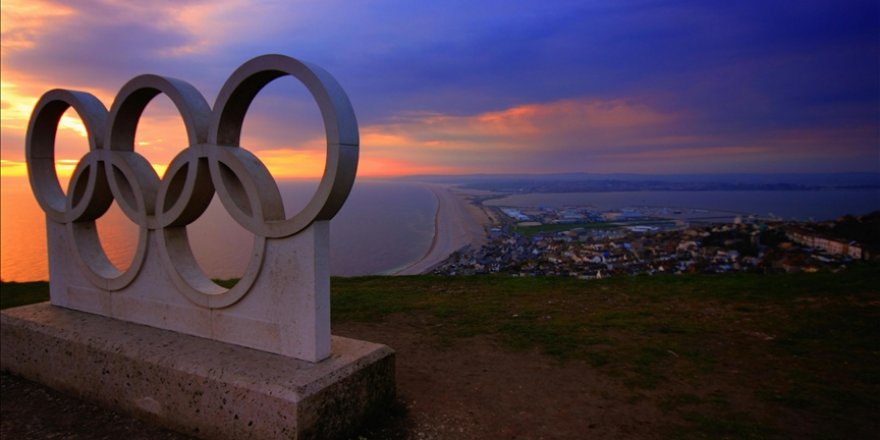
(457, 224)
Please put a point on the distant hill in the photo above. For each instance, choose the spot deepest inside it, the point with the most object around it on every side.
(587, 182)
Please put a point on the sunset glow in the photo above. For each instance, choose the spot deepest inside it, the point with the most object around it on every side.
(619, 92)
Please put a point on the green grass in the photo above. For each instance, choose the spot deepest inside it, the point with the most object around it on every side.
(529, 231)
(802, 344)
(798, 343)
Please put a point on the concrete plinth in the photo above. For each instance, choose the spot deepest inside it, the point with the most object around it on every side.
(193, 385)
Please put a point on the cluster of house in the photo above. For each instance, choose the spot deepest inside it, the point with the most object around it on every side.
(611, 249)
(830, 245)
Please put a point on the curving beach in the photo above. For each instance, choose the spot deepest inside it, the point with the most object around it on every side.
(457, 224)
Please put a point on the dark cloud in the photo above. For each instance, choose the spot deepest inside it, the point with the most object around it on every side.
(102, 44)
(736, 72)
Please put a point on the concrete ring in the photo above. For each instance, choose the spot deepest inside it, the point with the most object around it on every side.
(137, 195)
(88, 194)
(246, 188)
(340, 128)
(40, 145)
(186, 189)
(94, 262)
(186, 274)
(184, 194)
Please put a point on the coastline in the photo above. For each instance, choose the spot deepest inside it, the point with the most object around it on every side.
(457, 224)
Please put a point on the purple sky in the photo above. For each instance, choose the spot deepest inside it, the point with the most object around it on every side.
(486, 86)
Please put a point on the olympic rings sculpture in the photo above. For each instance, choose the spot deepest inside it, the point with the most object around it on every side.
(213, 161)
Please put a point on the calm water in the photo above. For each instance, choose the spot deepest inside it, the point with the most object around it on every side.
(383, 226)
(789, 205)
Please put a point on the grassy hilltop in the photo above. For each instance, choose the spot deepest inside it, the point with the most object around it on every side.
(740, 355)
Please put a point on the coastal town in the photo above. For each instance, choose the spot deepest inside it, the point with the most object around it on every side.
(587, 243)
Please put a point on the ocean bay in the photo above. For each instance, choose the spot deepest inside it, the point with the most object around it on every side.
(384, 225)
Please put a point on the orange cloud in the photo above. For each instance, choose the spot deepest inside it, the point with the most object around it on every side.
(290, 163)
(385, 167)
(513, 139)
(11, 168)
(17, 105)
(23, 19)
(527, 126)
(597, 136)
(569, 115)
(63, 169)
(19, 94)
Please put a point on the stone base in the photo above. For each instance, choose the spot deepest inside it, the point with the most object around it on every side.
(197, 386)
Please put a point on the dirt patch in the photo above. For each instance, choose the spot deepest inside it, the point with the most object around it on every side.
(475, 388)
(31, 411)
(472, 389)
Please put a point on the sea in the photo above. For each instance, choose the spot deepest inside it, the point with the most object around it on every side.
(384, 226)
(812, 205)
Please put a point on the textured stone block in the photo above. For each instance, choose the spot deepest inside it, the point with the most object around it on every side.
(198, 386)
